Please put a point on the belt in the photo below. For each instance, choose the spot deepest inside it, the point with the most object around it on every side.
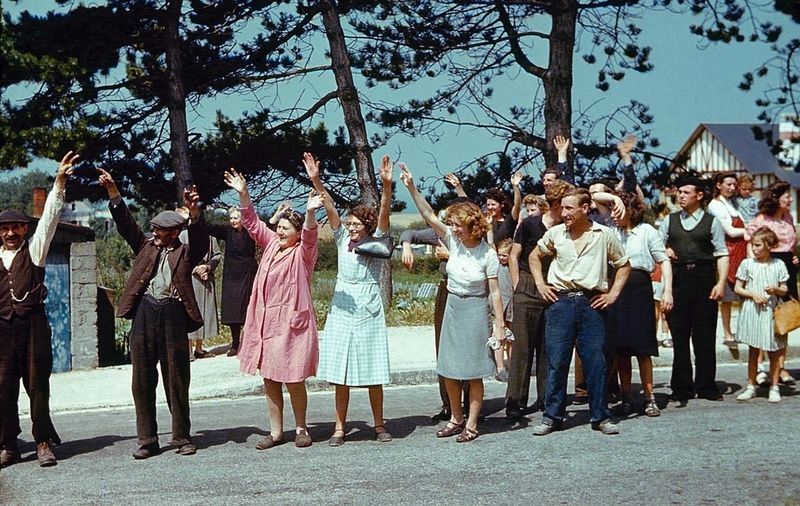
(579, 293)
(692, 265)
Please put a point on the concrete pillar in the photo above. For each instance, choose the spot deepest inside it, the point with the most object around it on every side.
(83, 305)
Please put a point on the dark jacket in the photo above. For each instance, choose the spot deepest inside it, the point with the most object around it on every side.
(23, 281)
(182, 259)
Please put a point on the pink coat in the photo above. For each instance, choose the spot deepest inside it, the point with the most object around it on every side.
(279, 339)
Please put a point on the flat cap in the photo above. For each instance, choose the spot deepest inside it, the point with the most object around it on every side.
(695, 181)
(168, 219)
(13, 216)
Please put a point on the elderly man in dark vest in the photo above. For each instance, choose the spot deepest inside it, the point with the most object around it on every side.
(695, 242)
(159, 298)
(25, 350)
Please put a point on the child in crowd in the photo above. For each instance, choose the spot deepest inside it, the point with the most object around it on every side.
(503, 353)
(743, 200)
(759, 282)
(534, 205)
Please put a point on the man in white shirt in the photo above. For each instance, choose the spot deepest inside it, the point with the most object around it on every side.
(695, 242)
(25, 349)
(577, 288)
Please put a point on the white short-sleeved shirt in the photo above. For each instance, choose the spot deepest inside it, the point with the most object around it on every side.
(469, 269)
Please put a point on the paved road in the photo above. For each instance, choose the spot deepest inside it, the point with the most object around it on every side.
(704, 453)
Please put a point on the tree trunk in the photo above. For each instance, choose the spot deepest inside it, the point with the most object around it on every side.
(557, 81)
(356, 127)
(176, 103)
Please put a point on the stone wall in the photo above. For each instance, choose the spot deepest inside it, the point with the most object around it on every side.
(83, 305)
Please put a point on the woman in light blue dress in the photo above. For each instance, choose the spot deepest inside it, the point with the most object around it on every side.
(354, 349)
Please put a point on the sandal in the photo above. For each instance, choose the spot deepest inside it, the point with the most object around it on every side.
(336, 440)
(302, 439)
(651, 409)
(467, 436)
(382, 436)
(268, 442)
(451, 429)
(786, 378)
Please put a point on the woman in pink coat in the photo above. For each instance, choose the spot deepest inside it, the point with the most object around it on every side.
(279, 339)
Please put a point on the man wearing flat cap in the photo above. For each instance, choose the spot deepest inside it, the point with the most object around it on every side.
(695, 241)
(25, 349)
(160, 300)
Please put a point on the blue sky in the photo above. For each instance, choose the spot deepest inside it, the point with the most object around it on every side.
(687, 86)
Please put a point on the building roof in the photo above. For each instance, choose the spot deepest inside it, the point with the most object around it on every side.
(754, 154)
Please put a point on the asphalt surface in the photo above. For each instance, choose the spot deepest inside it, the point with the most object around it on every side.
(702, 453)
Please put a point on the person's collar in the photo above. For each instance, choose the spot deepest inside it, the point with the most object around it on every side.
(694, 214)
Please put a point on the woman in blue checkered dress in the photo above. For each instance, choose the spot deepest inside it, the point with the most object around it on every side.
(354, 349)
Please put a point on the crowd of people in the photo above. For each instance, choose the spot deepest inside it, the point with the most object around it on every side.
(582, 276)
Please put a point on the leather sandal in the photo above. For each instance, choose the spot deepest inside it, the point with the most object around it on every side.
(451, 429)
(382, 436)
(651, 409)
(467, 436)
(336, 440)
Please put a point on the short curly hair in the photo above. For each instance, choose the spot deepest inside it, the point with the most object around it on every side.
(470, 216)
(368, 216)
(769, 200)
(634, 207)
(556, 191)
(498, 196)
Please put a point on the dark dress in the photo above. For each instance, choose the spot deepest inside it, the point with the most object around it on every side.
(238, 271)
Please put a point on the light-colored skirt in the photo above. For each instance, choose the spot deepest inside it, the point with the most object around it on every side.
(467, 325)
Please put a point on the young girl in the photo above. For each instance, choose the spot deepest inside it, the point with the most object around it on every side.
(759, 282)
(503, 353)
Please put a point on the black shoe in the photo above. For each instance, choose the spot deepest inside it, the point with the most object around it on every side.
(673, 397)
(513, 414)
(442, 416)
(712, 397)
(147, 451)
(231, 352)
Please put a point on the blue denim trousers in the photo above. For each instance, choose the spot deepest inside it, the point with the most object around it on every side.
(571, 319)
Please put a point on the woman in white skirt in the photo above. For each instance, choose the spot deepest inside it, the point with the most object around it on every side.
(467, 324)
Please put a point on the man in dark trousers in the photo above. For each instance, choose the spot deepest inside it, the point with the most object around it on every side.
(25, 349)
(695, 242)
(159, 298)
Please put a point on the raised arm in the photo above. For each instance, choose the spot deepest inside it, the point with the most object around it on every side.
(238, 183)
(312, 170)
(386, 193)
(453, 181)
(516, 178)
(423, 207)
(315, 201)
(612, 201)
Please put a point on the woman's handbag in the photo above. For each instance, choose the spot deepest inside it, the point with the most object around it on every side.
(787, 316)
(375, 247)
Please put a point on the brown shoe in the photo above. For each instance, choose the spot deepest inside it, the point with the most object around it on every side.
(45, 455)
(9, 455)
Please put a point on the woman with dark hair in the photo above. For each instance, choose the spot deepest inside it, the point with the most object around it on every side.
(631, 321)
(774, 212)
(238, 271)
(722, 208)
(502, 215)
(354, 351)
(280, 333)
(467, 323)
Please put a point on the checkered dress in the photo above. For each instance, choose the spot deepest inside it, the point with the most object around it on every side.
(354, 347)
